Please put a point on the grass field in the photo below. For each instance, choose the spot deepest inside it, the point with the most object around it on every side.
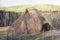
(2, 32)
(22, 8)
(41, 36)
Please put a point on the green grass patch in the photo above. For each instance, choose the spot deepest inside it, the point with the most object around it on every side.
(21, 8)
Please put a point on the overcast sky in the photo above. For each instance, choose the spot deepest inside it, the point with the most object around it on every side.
(24, 2)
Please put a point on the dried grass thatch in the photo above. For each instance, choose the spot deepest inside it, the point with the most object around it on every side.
(31, 22)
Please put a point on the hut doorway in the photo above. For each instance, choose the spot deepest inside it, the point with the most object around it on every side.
(45, 27)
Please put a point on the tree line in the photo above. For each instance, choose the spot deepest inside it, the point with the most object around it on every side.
(7, 17)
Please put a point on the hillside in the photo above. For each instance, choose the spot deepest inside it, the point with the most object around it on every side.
(22, 8)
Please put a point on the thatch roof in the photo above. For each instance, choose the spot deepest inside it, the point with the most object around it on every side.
(29, 23)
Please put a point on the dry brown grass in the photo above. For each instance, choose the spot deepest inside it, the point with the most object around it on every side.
(3, 28)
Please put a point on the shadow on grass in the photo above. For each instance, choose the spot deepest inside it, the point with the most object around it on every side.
(40, 36)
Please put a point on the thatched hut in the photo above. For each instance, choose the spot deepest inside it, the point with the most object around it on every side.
(31, 22)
